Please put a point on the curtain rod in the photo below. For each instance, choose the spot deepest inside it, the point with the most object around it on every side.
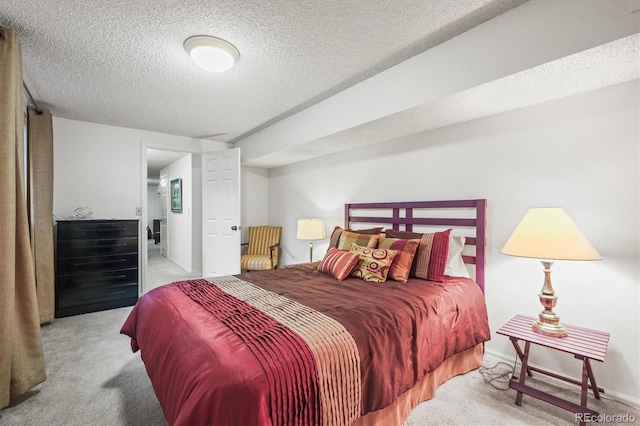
(33, 102)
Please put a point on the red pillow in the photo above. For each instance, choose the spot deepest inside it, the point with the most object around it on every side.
(401, 266)
(338, 263)
(430, 261)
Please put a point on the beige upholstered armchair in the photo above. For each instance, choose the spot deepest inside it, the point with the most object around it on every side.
(263, 248)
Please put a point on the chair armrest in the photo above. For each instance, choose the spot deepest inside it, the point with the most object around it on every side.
(271, 250)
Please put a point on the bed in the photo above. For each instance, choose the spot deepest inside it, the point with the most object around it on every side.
(311, 344)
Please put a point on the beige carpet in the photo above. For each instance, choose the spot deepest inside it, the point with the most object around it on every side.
(161, 270)
(93, 378)
(471, 400)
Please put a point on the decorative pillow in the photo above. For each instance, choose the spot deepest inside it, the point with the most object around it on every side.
(338, 263)
(374, 264)
(455, 263)
(347, 238)
(401, 266)
(407, 235)
(431, 259)
(337, 231)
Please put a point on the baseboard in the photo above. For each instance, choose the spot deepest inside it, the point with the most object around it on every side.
(179, 265)
(492, 357)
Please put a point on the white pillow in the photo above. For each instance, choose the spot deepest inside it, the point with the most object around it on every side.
(455, 263)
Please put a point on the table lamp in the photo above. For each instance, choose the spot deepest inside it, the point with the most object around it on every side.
(549, 234)
(310, 229)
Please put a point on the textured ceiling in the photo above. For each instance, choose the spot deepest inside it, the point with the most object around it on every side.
(122, 62)
(613, 63)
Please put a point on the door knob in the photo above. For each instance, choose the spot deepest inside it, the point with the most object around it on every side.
(234, 228)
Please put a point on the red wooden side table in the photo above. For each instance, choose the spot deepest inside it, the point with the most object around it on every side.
(584, 344)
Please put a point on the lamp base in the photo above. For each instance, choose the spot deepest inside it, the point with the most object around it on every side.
(548, 322)
(549, 325)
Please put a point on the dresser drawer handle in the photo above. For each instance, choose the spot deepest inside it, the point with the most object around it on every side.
(109, 278)
(105, 229)
(107, 246)
(100, 262)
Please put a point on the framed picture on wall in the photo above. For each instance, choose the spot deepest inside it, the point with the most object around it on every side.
(176, 195)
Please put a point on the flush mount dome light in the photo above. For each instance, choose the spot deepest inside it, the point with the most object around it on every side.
(211, 53)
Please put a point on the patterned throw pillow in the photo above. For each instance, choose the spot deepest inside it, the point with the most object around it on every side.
(374, 264)
(347, 238)
(431, 259)
(337, 231)
(338, 263)
(401, 266)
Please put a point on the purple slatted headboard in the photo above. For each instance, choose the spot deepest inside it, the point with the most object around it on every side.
(465, 217)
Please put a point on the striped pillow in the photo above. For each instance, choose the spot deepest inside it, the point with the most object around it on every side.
(401, 266)
(374, 264)
(431, 259)
(337, 231)
(348, 238)
(338, 263)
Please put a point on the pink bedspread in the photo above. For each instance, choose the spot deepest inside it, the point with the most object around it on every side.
(203, 373)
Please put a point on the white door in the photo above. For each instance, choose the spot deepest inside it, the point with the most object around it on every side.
(221, 213)
(164, 203)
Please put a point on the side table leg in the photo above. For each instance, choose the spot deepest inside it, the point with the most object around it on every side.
(516, 346)
(523, 371)
(585, 386)
(592, 378)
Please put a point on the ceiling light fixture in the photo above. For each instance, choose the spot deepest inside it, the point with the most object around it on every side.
(211, 53)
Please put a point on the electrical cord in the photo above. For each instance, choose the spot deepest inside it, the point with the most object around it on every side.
(497, 379)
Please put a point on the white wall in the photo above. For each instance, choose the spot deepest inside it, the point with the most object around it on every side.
(100, 166)
(580, 153)
(254, 186)
(184, 229)
(95, 166)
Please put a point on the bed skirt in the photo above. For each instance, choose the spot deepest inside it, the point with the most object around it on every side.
(397, 413)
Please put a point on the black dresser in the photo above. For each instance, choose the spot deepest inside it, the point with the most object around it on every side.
(96, 265)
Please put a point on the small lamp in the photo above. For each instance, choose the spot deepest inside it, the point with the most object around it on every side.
(549, 234)
(310, 229)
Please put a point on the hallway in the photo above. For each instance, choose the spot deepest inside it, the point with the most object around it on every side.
(161, 270)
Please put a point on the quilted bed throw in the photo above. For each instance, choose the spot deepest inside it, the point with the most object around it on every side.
(310, 360)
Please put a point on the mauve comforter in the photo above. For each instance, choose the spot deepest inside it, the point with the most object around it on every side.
(203, 373)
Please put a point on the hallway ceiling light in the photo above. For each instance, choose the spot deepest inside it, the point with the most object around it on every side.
(211, 53)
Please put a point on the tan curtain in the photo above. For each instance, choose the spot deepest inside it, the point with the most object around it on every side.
(40, 149)
(21, 357)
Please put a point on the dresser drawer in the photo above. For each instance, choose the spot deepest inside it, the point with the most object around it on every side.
(77, 248)
(78, 265)
(96, 279)
(97, 229)
(95, 295)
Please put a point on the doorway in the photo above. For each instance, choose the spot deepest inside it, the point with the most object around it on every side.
(156, 268)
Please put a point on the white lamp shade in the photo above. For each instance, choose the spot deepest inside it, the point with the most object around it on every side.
(310, 229)
(211, 53)
(549, 233)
